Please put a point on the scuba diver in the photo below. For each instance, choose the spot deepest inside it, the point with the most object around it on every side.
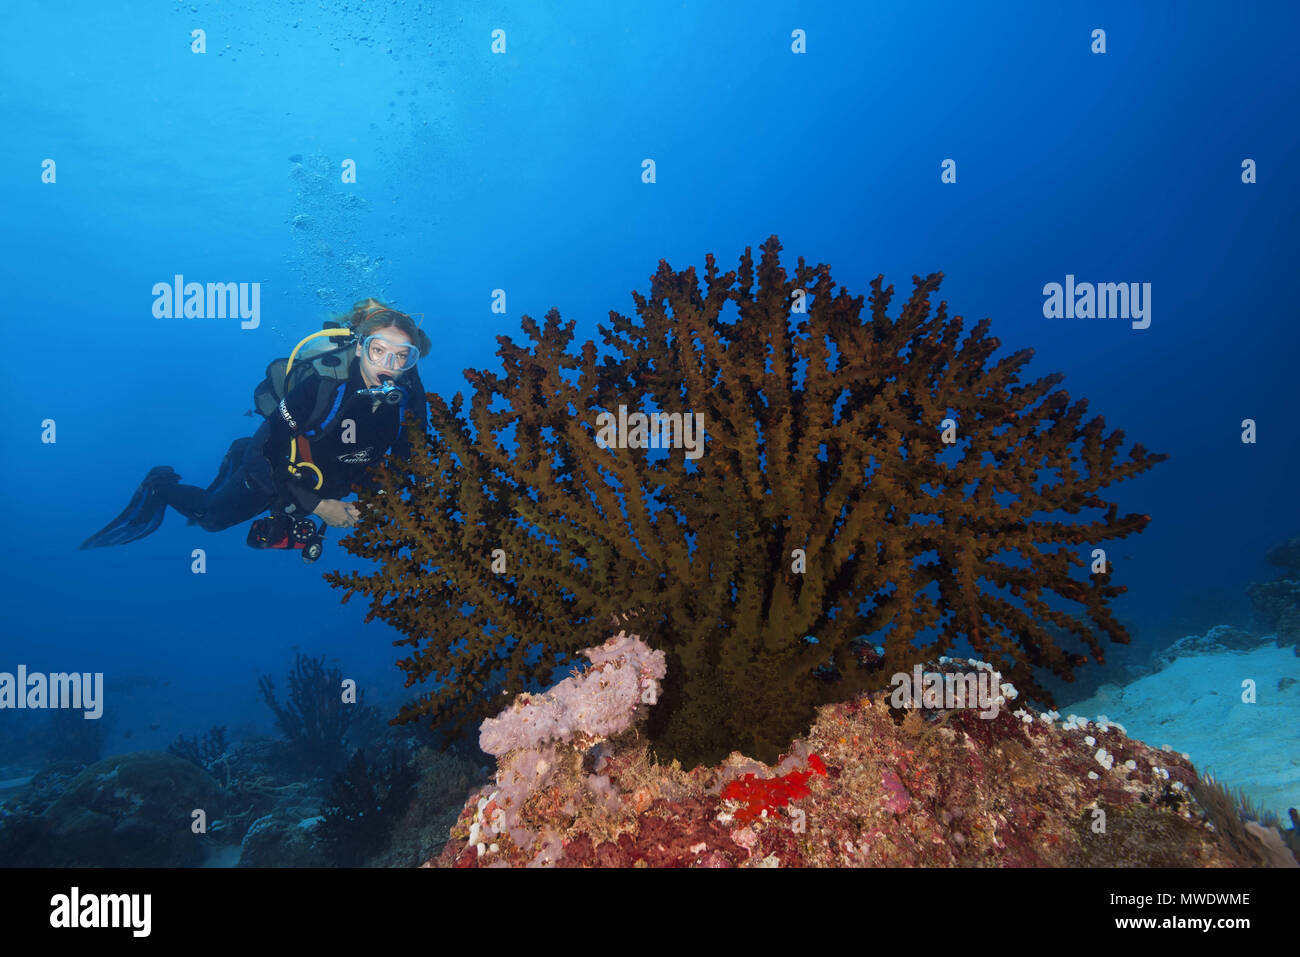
(331, 415)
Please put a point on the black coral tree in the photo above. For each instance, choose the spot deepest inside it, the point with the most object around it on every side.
(826, 503)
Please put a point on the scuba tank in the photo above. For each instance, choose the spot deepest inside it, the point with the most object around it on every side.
(328, 359)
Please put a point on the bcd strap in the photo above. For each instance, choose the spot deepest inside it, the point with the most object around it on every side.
(328, 396)
(328, 399)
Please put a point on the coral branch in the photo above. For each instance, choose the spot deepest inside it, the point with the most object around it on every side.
(863, 476)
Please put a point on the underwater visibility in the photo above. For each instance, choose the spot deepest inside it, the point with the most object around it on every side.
(722, 436)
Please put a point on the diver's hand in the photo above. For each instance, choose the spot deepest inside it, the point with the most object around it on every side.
(336, 513)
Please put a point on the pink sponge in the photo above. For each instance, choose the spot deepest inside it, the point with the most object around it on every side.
(580, 711)
(596, 704)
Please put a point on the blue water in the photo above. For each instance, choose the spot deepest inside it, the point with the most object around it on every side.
(522, 172)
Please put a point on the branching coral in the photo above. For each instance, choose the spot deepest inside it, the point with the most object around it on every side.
(315, 719)
(363, 804)
(205, 751)
(862, 475)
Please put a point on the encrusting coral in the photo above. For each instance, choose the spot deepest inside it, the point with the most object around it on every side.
(861, 475)
(940, 788)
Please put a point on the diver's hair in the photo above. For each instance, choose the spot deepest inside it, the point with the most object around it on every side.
(368, 316)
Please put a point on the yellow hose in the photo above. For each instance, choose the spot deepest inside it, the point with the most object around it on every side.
(294, 468)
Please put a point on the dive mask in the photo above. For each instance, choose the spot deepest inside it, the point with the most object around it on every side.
(395, 357)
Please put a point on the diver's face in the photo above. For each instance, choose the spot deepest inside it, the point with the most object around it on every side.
(388, 342)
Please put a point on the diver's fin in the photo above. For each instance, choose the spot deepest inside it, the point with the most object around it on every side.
(141, 517)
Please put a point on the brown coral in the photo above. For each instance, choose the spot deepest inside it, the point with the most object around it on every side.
(827, 503)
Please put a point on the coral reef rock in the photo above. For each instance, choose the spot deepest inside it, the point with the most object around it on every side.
(870, 785)
(131, 810)
(1195, 704)
(280, 840)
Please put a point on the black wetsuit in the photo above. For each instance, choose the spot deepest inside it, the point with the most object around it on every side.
(254, 476)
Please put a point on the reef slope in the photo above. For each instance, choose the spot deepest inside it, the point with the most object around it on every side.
(868, 786)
